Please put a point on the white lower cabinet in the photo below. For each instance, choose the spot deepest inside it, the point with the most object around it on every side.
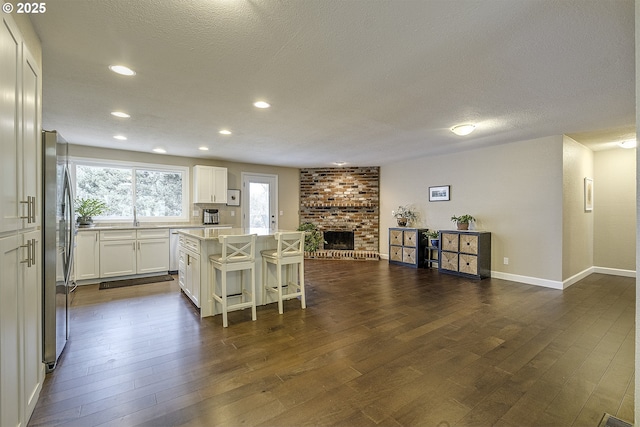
(87, 255)
(21, 367)
(117, 258)
(128, 252)
(152, 256)
(10, 399)
(33, 374)
(189, 268)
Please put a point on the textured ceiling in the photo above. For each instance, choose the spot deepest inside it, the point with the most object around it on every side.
(364, 82)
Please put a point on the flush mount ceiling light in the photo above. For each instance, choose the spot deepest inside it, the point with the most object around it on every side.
(462, 130)
(203, 148)
(159, 150)
(120, 114)
(631, 143)
(339, 163)
(120, 137)
(261, 104)
(225, 132)
(121, 69)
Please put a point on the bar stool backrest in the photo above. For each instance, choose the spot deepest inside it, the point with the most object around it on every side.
(290, 243)
(239, 248)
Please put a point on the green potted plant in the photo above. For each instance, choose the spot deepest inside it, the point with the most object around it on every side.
(404, 215)
(88, 208)
(434, 235)
(463, 221)
(312, 237)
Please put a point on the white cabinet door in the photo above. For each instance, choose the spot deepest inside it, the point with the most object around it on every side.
(202, 181)
(182, 269)
(10, 208)
(219, 185)
(10, 399)
(31, 140)
(209, 184)
(117, 258)
(32, 321)
(153, 255)
(193, 277)
(189, 274)
(87, 255)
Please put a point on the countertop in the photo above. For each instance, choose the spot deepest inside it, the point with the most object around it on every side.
(214, 233)
(148, 226)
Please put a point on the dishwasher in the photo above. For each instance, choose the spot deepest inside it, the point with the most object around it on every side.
(173, 251)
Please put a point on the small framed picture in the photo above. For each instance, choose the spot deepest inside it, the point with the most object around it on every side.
(588, 194)
(440, 193)
(233, 197)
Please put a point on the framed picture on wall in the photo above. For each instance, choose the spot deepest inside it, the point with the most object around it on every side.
(440, 193)
(233, 197)
(588, 194)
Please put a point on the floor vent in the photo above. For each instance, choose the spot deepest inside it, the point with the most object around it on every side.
(611, 421)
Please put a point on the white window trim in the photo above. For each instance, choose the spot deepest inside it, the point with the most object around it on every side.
(185, 170)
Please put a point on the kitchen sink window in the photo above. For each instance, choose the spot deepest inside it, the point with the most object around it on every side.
(158, 192)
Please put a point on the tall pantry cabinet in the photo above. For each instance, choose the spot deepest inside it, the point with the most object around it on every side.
(21, 367)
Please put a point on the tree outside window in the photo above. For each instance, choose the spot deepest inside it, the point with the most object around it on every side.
(155, 193)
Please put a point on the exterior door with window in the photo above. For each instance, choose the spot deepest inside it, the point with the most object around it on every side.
(259, 201)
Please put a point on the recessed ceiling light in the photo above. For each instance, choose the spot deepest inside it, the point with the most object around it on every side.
(462, 130)
(121, 69)
(631, 143)
(225, 132)
(120, 114)
(261, 104)
(339, 163)
(159, 150)
(120, 137)
(203, 148)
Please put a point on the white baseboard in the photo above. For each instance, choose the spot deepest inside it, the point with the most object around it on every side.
(577, 277)
(553, 284)
(614, 271)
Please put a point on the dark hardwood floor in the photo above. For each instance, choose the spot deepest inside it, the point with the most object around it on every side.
(378, 344)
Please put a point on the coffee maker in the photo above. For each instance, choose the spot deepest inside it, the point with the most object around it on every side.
(210, 216)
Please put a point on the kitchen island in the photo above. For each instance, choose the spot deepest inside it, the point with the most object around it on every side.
(194, 271)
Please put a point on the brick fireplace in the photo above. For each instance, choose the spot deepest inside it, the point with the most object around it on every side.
(343, 200)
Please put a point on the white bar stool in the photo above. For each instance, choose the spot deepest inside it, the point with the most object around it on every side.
(238, 254)
(288, 253)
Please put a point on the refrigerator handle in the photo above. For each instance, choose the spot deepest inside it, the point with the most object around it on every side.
(68, 191)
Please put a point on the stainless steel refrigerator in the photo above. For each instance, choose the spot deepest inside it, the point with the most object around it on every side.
(58, 242)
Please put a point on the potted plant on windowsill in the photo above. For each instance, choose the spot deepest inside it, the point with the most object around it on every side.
(87, 209)
(434, 235)
(463, 221)
(404, 215)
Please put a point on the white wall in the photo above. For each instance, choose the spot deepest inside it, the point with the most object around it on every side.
(577, 224)
(615, 217)
(514, 190)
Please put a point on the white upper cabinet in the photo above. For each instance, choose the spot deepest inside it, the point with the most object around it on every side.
(10, 94)
(209, 184)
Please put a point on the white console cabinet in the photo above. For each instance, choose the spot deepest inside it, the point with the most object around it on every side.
(209, 184)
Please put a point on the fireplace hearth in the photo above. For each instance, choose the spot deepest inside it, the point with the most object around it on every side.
(339, 240)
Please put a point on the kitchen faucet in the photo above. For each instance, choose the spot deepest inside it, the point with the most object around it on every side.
(136, 223)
